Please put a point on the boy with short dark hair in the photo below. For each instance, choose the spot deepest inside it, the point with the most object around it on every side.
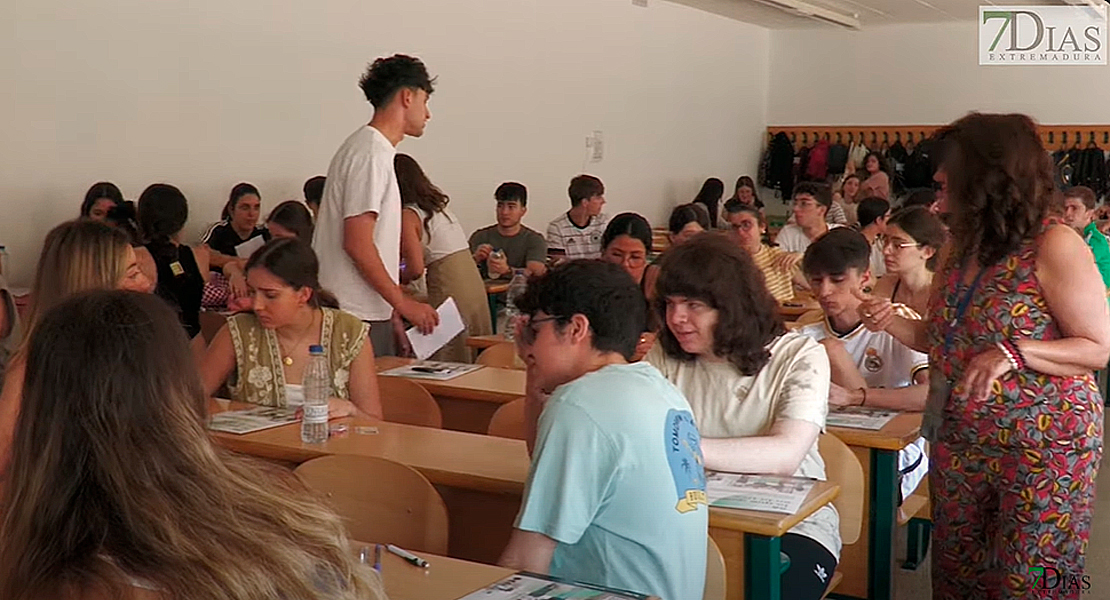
(577, 233)
(616, 492)
(1079, 214)
(811, 204)
(519, 246)
(868, 368)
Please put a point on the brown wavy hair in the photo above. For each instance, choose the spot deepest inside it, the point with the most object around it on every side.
(417, 190)
(713, 270)
(113, 476)
(1000, 184)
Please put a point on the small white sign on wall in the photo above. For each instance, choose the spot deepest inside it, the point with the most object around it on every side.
(1042, 35)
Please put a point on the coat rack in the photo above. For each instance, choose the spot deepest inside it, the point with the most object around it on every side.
(1054, 137)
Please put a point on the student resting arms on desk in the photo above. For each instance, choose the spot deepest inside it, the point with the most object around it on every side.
(759, 393)
(262, 354)
(868, 368)
(616, 492)
(117, 493)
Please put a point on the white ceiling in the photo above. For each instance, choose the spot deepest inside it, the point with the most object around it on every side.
(870, 13)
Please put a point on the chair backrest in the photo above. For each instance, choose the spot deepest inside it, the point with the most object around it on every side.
(716, 584)
(501, 355)
(843, 468)
(380, 501)
(508, 421)
(210, 324)
(405, 401)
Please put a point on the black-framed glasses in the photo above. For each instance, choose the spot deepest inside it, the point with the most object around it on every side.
(896, 244)
(528, 331)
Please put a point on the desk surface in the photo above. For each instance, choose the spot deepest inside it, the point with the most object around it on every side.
(488, 384)
(485, 341)
(468, 461)
(444, 579)
(496, 287)
(895, 435)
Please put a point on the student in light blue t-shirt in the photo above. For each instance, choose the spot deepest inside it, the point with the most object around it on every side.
(616, 492)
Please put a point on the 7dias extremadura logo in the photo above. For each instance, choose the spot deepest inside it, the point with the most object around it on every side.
(1043, 35)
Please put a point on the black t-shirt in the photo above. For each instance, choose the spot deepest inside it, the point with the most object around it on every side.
(223, 239)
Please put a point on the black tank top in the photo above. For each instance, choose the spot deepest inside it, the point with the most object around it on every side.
(179, 282)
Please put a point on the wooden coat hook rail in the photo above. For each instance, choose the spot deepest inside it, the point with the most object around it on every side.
(1054, 137)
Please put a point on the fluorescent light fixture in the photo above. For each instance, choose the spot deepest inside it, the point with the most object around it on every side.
(805, 9)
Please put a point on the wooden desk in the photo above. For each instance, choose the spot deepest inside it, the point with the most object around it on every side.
(793, 310)
(468, 401)
(494, 287)
(868, 565)
(485, 341)
(482, 481)
(444, 579)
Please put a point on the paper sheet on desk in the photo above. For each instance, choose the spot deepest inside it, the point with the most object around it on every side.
(247, 248)
(450, 325)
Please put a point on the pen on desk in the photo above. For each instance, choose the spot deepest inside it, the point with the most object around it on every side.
(409, 557)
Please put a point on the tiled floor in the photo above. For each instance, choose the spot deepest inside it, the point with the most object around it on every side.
(915, 585)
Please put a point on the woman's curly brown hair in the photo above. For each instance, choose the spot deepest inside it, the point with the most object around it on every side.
(713, 270)
(999, 184)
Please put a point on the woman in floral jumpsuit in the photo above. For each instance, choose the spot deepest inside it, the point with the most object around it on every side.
(1017, 322)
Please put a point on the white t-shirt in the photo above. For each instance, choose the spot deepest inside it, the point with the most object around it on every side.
(792, 238)
(579, 242)
(444, 235)
(361, 180)
(794, 384)
(878, 262)
(882, 360)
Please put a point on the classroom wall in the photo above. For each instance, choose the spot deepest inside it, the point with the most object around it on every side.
(206, 93)
(918, 75)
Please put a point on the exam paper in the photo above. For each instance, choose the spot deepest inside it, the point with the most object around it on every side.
(247, 248)
(450, 325)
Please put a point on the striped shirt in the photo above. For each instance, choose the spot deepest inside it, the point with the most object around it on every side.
(779, 282)
(578, 242)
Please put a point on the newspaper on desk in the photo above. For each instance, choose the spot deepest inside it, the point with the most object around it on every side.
(428, 369)
(766, 493)
(529, 586)
(858, 417)
(252, 419)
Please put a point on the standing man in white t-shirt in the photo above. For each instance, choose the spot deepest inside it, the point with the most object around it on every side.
(358, 228)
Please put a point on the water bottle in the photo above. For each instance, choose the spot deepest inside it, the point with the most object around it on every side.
(516, 289)
(317, 387)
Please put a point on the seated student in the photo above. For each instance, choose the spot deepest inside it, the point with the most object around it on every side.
(577, 234)
(238, 224)
(182, 270)
(76, 256)
(1079, 213)
(811, 204)
(521, 247)
(759, 393)
(848, 198)
(262, 354)
(748, 227)
(118, 492)
(746, 193)
(290, 219)
(314, 193)
(433, 245)
(11, 329)
(686, 221)
(913, 238)
(627, 244)
(709, 196)
(873, 213)
(101, 198)
(868, 368)
(608, 499)
(124, 216)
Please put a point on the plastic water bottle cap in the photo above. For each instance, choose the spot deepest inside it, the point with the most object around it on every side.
(316, 349)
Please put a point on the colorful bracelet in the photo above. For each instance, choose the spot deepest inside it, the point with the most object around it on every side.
(1004, 347)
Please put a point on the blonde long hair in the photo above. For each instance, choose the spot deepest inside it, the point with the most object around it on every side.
(77, 256)
(114, 479)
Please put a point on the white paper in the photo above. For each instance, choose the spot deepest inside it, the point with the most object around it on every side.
(252, 419)
(765, 493)
(440, 371)
(247, 248)
(450, 325)
(854, 417)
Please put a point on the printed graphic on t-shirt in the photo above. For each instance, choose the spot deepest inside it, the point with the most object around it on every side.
(685, 459)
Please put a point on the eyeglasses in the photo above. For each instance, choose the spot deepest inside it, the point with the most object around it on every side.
(803, 203)
(896, 244)
(528, 330)
(632, 260)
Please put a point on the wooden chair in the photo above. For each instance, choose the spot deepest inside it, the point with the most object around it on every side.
(916, 513)
(716, 585)
(502, 356)
(508, 421)
(405, 401)
(843, 468)
(380, 501)
(210, 324)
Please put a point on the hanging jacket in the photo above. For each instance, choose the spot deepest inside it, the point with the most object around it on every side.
(818, 167)
(780, 171)
(838, 159)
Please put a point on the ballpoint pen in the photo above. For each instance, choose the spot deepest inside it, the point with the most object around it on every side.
(378, 557)
(409, 557)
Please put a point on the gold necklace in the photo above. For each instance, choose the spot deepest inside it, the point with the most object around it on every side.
(288, 358)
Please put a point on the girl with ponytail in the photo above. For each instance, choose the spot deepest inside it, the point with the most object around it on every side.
(261, 355)
(182, 270)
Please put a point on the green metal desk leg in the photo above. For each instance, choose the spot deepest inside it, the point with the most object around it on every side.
(762, 567)
(492, 298)
(884, 507)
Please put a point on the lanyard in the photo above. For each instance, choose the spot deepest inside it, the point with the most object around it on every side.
(961, 308)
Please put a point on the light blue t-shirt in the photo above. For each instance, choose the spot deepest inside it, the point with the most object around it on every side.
(617, 480)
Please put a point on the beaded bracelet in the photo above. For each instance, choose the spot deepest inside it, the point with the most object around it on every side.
(1017, 354)
(1014, 365)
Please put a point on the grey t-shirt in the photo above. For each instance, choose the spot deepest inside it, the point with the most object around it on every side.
(520, 249)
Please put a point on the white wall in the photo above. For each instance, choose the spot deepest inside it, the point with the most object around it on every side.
(918, 75)
(206, 93)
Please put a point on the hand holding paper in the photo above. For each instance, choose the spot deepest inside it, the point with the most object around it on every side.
(450, 325)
